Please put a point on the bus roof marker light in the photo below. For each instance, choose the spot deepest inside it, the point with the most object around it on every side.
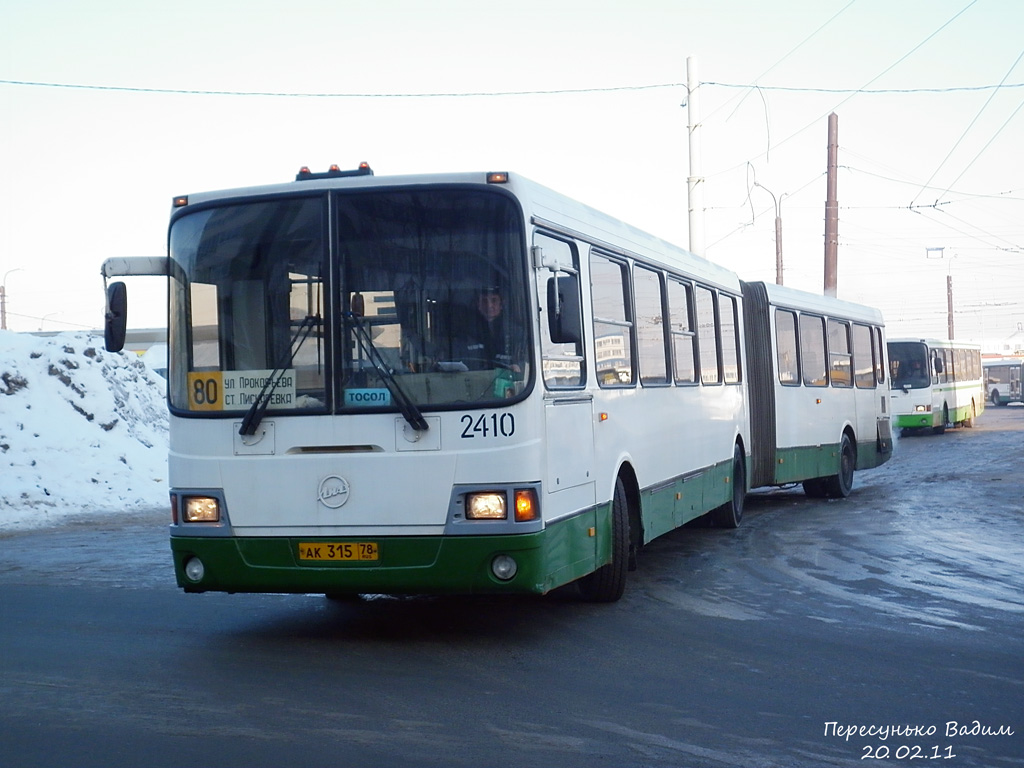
(497, 177)
(181, 201)
(333, 172)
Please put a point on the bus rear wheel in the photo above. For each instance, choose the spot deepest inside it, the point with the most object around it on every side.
(969, 421)
(607, 583)
(839, 485)
(730, 514)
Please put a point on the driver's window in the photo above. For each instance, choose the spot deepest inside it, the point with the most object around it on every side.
(562, 363)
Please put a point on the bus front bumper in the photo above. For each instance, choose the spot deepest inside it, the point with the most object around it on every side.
(914, 420)
(532, 563)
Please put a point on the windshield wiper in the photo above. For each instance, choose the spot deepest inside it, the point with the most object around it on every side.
(259, 406)
(410, 411)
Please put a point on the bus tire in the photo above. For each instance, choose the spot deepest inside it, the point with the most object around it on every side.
(814, 487)
(730, 514)
(969, 421)
(839, 485)
(607, 583)
(941, 428)
(995, 398)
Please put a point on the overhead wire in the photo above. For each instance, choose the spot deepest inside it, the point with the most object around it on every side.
(863, 88)
(967, 130)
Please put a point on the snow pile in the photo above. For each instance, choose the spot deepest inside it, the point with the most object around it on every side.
(82, 430)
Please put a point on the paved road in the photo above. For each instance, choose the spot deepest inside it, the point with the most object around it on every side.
(900, 606)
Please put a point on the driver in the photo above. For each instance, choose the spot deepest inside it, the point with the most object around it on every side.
(492, 340)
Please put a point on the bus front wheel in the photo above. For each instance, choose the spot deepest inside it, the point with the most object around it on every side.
(607, 583)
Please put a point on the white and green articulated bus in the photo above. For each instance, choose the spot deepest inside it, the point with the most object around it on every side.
(458, 383)
(818, 395)
(935, 383)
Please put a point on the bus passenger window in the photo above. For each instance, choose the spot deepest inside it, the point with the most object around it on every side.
(613, 345)
(730, 340)
(839, 353)
(812, 350)
(650, 326)
(707, 337)
(863, 357)
(786, 347)
(680, 302)
(876, 333)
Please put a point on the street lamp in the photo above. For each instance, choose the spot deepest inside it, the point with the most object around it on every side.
(3, 298)
(778, 231)
(47, 317)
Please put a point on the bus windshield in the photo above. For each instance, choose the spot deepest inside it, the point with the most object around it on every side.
(908, 363)
(349, 302)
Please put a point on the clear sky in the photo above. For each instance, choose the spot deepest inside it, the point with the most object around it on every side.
(584, 96)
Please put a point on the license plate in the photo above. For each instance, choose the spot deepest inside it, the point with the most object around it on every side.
(338, 551)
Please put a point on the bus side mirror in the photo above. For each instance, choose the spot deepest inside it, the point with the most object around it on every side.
(116, 324)
(565, 321)
(938, 365)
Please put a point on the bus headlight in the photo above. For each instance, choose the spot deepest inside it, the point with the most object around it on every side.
(504, 567)
(922, 408)
(488, 505)
(201, 509)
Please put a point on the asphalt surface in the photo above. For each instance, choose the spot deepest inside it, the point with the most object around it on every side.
(818, 634)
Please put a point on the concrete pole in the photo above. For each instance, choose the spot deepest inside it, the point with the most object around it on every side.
(695, 181)
(949, 305)
(832, 210)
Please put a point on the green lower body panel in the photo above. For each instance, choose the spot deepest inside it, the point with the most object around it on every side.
(793, 465)
(561, 553)
(675, 503)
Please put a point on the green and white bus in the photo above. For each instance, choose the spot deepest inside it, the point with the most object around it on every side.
(818, 393)
(935, 383)
(1003, 380)
(457, 383)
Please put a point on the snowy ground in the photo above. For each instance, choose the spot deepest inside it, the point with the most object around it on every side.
(82, 431)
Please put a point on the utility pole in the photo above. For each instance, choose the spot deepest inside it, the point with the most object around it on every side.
(949, 305)
(832, 209)
(3, 298)
(694, 182)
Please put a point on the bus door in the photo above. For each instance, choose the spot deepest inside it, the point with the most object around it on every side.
(568, 406)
